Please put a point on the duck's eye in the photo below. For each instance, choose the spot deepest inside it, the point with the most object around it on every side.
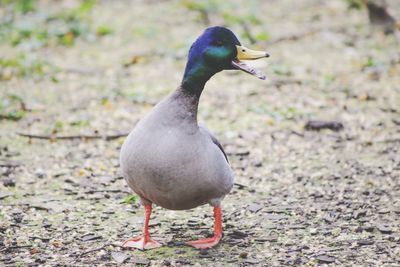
(219, 43)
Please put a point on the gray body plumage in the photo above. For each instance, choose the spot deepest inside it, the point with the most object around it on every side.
(169, 160)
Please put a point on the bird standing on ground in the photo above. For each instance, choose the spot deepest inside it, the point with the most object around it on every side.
(169, 159)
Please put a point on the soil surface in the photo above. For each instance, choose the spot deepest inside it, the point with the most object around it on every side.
(303, 195)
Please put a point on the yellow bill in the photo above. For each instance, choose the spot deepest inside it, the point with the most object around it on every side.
(244, 53)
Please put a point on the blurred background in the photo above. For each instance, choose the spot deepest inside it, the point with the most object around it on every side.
(315, 147)
(117, 52)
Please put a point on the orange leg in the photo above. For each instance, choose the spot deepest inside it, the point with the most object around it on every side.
(212, 241)
(144, 241)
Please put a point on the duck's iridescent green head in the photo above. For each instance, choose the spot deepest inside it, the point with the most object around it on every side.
(215, 50)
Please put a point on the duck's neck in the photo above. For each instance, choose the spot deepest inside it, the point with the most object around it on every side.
(187, 95)
(196, 75)
(187, 102)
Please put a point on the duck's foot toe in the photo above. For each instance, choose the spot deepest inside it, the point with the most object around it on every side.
(141, 243)
(205, 243)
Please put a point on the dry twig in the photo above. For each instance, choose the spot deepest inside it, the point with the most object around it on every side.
(70, 137)
(97, 249)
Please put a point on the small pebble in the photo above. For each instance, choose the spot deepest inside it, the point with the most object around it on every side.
(9, 182)
(166, 263)
(325, 259)
(385, 229)
(365, 242)
(39, 173)
(243, 255)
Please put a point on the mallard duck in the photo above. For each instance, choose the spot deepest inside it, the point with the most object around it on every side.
(169, 159)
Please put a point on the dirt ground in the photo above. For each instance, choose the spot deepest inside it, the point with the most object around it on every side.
(302, 197)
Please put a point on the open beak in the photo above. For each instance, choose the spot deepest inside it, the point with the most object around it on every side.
(244, 53)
